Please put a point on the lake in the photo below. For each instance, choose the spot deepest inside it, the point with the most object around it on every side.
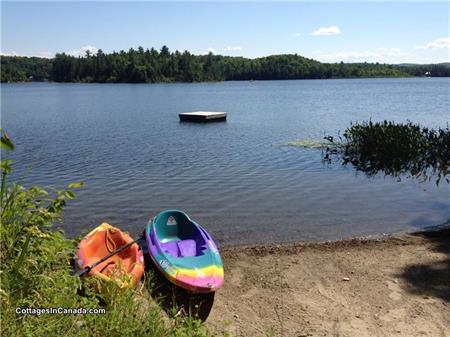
(237, 178)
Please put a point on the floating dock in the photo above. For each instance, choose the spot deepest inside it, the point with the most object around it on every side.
(203, 116)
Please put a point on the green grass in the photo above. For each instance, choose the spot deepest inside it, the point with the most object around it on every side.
(35, 266)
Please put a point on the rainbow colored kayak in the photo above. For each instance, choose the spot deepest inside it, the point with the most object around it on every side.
(184, 252)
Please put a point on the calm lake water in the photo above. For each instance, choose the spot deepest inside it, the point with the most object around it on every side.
(237, 178)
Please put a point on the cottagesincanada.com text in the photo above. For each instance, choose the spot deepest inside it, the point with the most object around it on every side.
(60, 311)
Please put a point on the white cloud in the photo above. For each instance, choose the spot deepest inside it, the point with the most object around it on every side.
(210, 50)
(82, 51)
(230, 48)
(437, 44)
(12, 53)
(44, 54)
(331, 30)
(383, 55)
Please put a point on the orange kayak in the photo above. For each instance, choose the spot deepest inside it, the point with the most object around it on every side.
(124, 268)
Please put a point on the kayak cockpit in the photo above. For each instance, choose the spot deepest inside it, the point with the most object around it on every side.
(178, 236)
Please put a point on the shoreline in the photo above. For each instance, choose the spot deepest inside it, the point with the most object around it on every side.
(333, 242)
(225, 81)
(385, 285)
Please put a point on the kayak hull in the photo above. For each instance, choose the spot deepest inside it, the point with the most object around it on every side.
(125, 268)
(184, 252)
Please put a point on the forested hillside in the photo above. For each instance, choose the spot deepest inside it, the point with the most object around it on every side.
(151, 65)
(19, 69)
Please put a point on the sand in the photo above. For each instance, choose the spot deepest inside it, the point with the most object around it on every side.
(387, 286)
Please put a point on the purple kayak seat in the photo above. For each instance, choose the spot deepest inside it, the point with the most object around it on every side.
(180, 248)
(171, 248)
(187, 248)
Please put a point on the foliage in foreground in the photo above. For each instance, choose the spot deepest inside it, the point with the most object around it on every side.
(35, 274)
(394, 149)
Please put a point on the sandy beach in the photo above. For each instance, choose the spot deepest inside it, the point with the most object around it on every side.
(386, 286)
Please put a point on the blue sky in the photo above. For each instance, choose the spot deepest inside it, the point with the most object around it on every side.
(327, 31)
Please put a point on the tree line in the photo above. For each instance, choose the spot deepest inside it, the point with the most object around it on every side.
(151, 65)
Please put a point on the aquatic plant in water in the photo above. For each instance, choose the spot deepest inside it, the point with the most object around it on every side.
(394, 149)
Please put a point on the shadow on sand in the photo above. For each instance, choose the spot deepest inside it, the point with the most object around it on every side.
(174, 300)
(432, 279)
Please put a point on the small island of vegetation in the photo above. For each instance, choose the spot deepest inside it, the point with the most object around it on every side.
(151, 66)
(394, 149)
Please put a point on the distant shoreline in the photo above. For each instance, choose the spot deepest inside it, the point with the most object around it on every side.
(224, 81)
(160, 66)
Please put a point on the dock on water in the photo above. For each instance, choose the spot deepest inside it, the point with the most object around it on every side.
(203, 116)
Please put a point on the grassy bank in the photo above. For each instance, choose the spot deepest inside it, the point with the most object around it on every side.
(35, 266)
